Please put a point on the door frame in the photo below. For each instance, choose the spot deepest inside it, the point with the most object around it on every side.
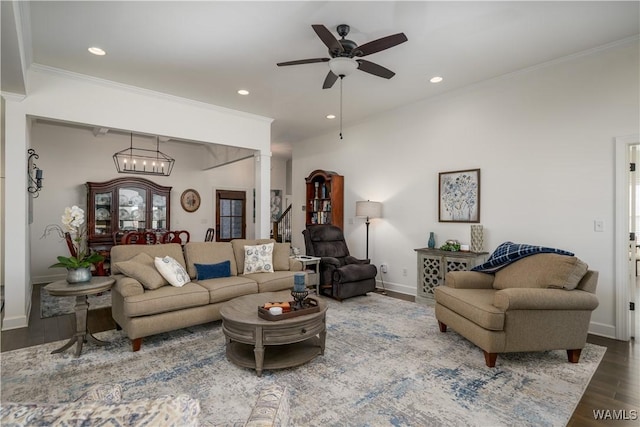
(621, 239)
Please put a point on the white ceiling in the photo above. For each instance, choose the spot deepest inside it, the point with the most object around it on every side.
(207, 50)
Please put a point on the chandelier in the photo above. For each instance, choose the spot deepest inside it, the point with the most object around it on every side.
(142, 161)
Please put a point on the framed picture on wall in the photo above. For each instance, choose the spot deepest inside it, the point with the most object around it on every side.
(459, 196)
(276, 204)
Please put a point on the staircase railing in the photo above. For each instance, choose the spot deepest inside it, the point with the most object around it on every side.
(282, 226)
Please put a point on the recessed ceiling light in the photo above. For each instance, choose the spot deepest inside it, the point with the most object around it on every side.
(97, 51)
(436, 79)
(243, 92)
(331, 116)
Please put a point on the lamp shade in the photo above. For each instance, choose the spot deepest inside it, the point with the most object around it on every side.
(342, 66)
(369, 209)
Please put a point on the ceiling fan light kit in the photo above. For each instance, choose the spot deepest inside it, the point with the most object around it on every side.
(343, 54)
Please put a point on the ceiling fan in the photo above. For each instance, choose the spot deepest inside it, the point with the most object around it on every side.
(345, 54)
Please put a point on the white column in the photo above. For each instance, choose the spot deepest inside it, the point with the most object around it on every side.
(15, 208)
(263, 186)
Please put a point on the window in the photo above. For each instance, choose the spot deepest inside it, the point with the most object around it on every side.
(230, 215)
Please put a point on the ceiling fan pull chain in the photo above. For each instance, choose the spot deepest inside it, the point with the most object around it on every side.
(341, 77)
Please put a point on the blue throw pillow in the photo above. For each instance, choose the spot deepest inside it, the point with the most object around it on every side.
(213, 271)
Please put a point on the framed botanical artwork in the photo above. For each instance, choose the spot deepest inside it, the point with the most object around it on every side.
(190, 200)
(459, 196)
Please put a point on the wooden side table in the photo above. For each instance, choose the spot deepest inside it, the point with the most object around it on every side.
(308, 261)
(81, 291)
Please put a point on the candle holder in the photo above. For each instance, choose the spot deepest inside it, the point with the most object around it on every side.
(299, 299)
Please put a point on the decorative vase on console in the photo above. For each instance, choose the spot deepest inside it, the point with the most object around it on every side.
(477, 238)
(432, 240)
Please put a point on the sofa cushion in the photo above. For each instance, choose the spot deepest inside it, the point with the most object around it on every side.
(171, 270)
(213, 271)
(164, 299)
(180, 410)
(209, 253)
(142, 268)
(475, 305)
(545, 270)
(258, 258)
(281, 254)
(121, 253)
(276, 281)
(225, 288)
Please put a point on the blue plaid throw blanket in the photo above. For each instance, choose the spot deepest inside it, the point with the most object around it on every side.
(509, 252)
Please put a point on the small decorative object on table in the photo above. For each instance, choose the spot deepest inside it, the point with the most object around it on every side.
(451, 245)
(299, 292)
(477, 237)
(432, 240)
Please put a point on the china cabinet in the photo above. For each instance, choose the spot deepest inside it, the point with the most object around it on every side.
(433, 264)
(325, 198)
(125, 204)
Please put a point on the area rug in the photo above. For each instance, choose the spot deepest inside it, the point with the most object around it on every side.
(385, 363)
(51, 306)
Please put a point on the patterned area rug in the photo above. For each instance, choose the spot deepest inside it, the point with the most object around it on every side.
(51, 306)
(386, 363)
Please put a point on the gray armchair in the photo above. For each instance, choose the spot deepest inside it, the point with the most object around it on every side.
(341, 275)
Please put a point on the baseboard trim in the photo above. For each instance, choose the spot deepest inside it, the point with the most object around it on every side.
(16, 322)
(603, 330)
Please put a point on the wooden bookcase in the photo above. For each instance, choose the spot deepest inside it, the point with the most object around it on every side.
(325, 198)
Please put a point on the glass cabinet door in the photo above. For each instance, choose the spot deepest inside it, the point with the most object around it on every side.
(132, 208)
(102, 214)
(159, 212)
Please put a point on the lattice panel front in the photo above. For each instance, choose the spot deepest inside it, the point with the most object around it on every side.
(456, 265)
(430, 275)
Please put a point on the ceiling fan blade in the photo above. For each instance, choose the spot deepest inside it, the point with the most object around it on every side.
(302, 61)
(329, 80)
(381, 44)
(375, 69)
(327, 38)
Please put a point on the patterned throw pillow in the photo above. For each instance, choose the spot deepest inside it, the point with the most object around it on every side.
(171, 270)
(258, 259)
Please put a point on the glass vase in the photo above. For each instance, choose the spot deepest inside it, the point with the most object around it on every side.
(432, 240)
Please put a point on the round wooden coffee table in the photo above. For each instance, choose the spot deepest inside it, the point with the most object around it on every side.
(81, 291)
(253, 342)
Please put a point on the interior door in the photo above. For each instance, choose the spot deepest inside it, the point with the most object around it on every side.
(230, 215)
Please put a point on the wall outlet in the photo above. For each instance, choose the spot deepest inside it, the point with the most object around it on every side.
(598, 225)
(383, 268)
(404, 272)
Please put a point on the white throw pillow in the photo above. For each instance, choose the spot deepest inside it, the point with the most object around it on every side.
(172, 271)
(258, 259)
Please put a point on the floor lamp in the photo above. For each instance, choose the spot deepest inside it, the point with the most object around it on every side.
(369, 210)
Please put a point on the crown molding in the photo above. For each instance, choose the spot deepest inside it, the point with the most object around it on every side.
(14, 97)
(44, 69)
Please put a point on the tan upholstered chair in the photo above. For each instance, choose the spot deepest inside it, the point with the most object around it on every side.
(538, 303)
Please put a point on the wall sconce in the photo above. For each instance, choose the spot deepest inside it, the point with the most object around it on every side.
(34, 173)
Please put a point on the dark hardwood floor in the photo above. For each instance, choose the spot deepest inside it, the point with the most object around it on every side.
(615, 387)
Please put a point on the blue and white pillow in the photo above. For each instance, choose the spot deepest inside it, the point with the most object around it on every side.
(258, 258)
(172, 271)
(509, 252)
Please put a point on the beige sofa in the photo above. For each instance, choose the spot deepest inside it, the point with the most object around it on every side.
(143, 310)
(102, 404)
(541, 302)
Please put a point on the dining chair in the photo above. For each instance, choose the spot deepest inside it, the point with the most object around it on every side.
(139, 238)
(211, 232)
(179, 236)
